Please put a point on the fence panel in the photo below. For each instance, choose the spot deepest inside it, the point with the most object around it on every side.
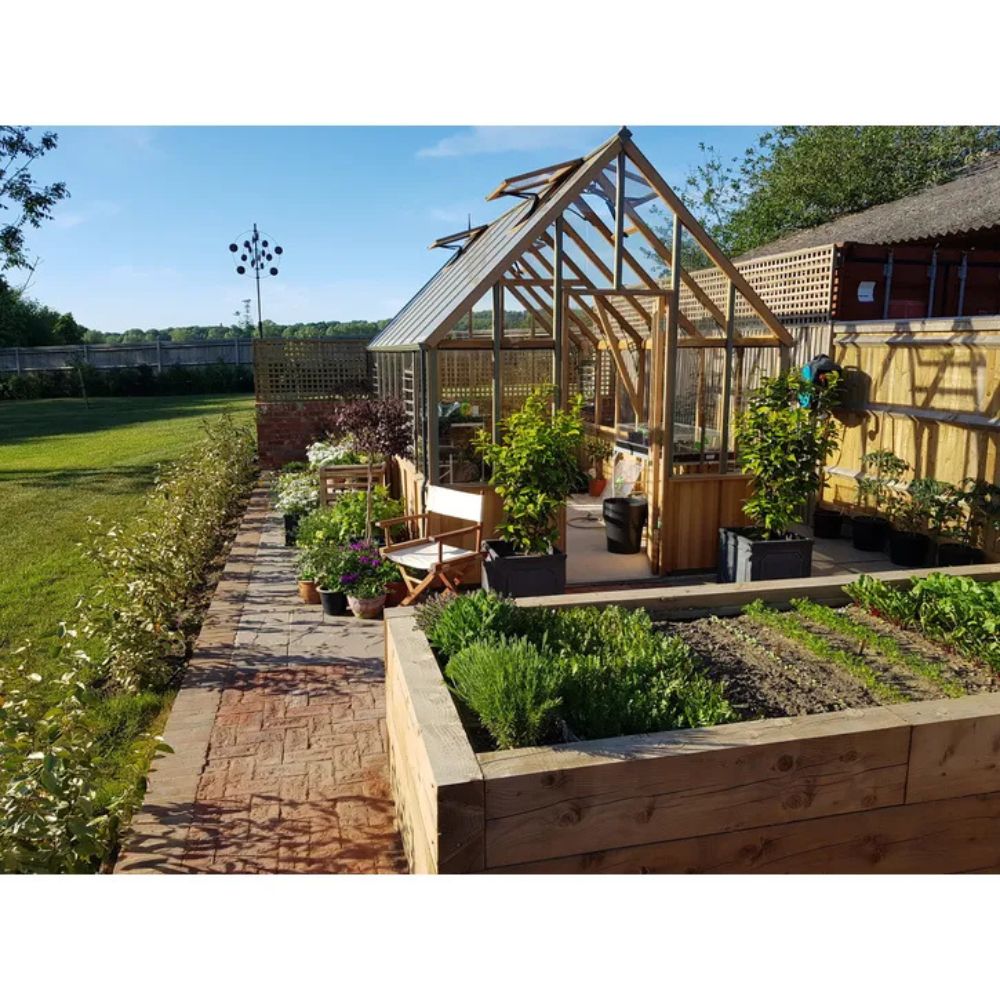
(158, 355)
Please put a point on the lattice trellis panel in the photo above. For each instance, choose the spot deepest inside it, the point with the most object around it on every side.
(466, 376)
(796, 287)
(298, 370)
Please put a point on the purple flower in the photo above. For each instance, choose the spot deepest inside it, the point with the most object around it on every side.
(349, 578)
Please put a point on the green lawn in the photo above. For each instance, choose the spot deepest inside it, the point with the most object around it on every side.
(60, 461)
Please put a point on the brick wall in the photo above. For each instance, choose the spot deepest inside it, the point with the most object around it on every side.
(285, 430)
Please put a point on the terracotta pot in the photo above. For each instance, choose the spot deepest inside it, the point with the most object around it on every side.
(366, 607)
(596, 487)
(308, 592)
(395, 593)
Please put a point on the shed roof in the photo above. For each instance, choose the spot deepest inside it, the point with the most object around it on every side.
(470, 272)
(967, 204)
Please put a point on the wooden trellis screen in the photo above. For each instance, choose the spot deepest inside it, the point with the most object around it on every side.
(293, 371)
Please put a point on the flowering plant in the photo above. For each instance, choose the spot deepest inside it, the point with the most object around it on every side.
(362, 571)
(331, 452)
(295, 493)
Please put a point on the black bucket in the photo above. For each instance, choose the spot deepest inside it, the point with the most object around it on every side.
(869, 534)
(334, 603)
(827, 523)
(908, 548)
(624, 519)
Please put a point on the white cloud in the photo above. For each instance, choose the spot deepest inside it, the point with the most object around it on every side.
(513, 139)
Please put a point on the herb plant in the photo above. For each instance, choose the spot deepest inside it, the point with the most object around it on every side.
(881, 471)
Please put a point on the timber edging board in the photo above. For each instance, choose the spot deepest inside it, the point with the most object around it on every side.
(911, 788)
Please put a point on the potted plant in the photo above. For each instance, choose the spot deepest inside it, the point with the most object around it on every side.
(925, 506)
(294, 495)
(332, 451)
(596, 451)
(364, 576)
(783, 445)
(319, 542)
(976, 511)
(533, 469)
(348, 517)
(379, 429)
(880, 472)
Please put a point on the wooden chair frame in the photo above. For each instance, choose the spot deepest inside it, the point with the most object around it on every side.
(449, 572)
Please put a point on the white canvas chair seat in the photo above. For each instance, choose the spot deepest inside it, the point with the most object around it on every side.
(439, 562)
(423, 555)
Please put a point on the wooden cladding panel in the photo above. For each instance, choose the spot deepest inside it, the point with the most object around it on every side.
(926, 838)
(550, 803)
(694, 508)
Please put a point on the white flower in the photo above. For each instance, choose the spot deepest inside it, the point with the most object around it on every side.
(327, 452)
(296, 493)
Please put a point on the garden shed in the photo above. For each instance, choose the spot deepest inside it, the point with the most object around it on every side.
(595, 258)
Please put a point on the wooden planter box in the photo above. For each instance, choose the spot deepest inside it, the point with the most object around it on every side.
(914, 788)
(335, 479)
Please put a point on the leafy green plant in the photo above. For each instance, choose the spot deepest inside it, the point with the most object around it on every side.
(881, 471)
(976, 512)
(512, 686)
(613, 673)
(926, 505)
(783, 445)
(958, 611)
(534, 468)
(886, 645)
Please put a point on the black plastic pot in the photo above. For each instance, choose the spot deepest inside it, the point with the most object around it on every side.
(908, 548)
(956, 554)
(869, 533)
(827, 523)
(744, 557)
(334, 603)
(522, 575)
(624, 519)
(291, 528)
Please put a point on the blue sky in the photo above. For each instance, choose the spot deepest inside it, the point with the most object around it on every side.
(143, 240)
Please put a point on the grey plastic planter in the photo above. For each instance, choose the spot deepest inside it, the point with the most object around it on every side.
(522, 575)
(743, 558)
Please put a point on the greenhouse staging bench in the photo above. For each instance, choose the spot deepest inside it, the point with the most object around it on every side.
(902, 788)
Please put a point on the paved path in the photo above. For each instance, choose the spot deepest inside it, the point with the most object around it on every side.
(279, 733)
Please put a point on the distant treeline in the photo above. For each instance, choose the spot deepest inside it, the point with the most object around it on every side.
(25, 322)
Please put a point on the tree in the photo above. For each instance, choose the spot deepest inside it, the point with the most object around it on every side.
(66, 330)
(28, 203)
(796, 177)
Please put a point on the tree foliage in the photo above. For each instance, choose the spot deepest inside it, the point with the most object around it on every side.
(23, 202)
(796, 177)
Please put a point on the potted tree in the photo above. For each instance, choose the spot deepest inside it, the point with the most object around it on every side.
(880, 472)
(782, 444)
(596, 451)
(533, 469)
(379, 429)
(976, 511)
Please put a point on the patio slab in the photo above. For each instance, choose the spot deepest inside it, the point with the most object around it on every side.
(280, 761)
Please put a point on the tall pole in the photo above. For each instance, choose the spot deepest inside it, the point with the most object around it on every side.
(256, 255)
(256, 272)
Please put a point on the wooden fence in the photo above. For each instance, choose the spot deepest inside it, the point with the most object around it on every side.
(158, 355)
(298, 371)
(929, 390)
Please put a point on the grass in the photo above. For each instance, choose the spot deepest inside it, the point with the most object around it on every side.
(61, 461)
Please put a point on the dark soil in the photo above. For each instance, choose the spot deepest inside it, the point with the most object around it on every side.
(768, 675)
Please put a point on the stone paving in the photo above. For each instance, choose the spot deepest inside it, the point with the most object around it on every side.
(279, 733)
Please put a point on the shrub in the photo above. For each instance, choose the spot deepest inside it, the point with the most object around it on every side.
(140, 611)
(534, 468)
(880, 471)
(512, 686)
(452, 623)
(51, 816)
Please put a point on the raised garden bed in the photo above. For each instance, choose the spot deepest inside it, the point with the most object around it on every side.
(883, 784)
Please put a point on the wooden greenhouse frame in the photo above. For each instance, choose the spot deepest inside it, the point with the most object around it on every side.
(567, 253)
